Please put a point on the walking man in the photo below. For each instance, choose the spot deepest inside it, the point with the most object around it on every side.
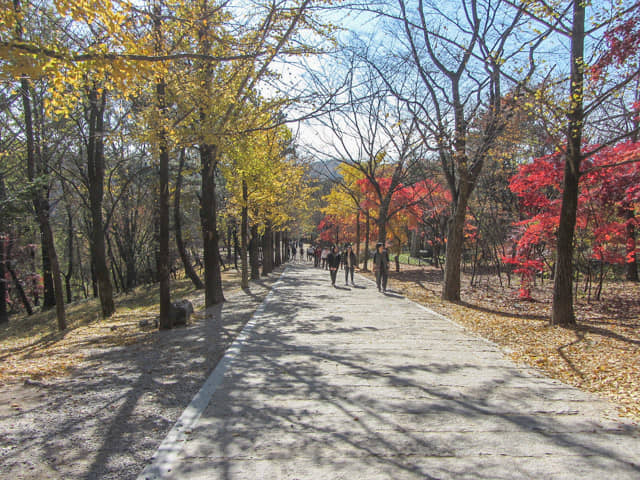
(349, 264)
(381, 266)
(333, 262)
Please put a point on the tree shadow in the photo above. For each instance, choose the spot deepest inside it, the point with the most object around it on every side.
(332, 393)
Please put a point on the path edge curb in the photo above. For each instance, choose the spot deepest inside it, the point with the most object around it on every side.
(163, 460)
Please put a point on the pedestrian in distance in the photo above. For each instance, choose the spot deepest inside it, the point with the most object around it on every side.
(381, 266)
(333, 262)
(349, 264)
(317, 253)
(323, 256)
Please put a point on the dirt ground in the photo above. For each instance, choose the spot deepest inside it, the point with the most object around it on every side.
(96, 401)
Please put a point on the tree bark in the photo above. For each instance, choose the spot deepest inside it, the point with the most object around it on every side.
(254, 254)
(48, 292)
(4, 314)
(208, 220)
(4, 241)
(367, 226)
(69, 273)
(165, 321)
(16, 281)
(277, 250)
(95, 172)
(632, 263)
(358, 238)
(244, 219)
(455, 245)
(562, 309)
(189, 271)
(267, 250)
(40, 203)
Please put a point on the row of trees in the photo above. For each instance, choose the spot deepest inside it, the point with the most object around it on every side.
(111, 111)
(466, 93)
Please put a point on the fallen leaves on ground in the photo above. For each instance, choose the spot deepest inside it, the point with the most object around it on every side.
(601, 354)
(32, 348)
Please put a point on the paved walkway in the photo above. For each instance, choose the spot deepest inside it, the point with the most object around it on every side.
(352, 384)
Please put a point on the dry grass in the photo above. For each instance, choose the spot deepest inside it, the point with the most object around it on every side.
(601, 354)
(31, 347)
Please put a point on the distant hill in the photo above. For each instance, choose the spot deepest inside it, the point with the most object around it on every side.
(323, 170)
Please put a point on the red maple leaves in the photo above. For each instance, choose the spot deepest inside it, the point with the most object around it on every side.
(606, 217)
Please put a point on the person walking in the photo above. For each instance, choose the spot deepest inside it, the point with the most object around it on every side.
(381, 266)
(349, 264)
(333, 262)
(316, 254)
(323, 256)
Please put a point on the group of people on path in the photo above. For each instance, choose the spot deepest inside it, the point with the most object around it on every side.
(348, 261)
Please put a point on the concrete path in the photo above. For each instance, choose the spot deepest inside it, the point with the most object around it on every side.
(353, 384)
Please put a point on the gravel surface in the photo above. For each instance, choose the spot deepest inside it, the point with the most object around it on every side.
(106, 419)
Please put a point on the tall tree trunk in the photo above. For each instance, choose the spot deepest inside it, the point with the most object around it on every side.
(16, 280)
(189, 271)
(95, 171)
(48, 293)
(236, 247)
(4, 314)
(69, 273)
(455, 244)
(244, 219)
(632, 260)
(382, 222)
(367, 233)
(208, 220)
(278, 249)
(165, 321)
(358, 238)
(40, 204)
(254, 254)
(4, 242)
(267, 250)
(562, 309)
(228, 242)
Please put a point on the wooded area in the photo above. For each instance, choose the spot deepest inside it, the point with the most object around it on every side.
(138, 139)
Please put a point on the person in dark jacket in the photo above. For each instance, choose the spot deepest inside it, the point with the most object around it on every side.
(349, 264)
(333, 262)
(381, 266)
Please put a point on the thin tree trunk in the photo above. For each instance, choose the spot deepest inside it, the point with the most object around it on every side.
(267, 250)
(40, 203)
(358, 238)
(253, 253)
(165, 321)
(367, 233)
(68, 275)
(4, 241)
(48, 293)
(16, 281)
(189, 271)
(95, 170)
(244, 219)
(278, 249)
(4, 315)
(632, 261)
(562, 309)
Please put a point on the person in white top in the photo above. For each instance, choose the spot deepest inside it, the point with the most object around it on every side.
(323, 256)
